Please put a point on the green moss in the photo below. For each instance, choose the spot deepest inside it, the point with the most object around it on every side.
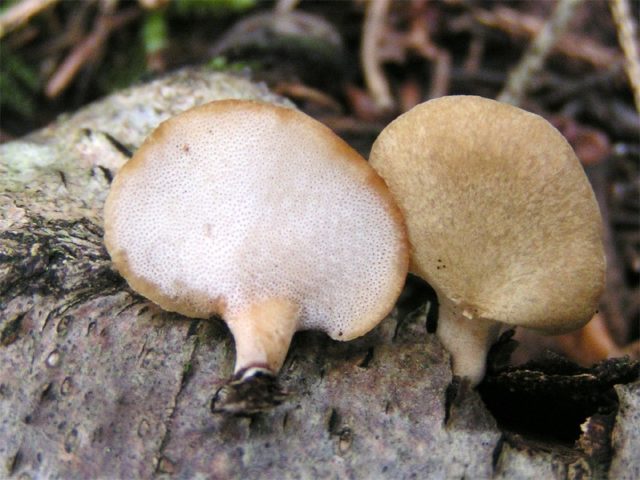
(222, 64)
(154, 32)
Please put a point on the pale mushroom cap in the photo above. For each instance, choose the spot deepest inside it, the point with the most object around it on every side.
(501, 216)
(237, 202)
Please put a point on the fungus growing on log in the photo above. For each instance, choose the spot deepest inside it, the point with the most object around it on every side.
(502, 220)
(263, 216)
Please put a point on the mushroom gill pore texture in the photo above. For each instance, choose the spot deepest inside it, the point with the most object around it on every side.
(502, 220)
(261, 215)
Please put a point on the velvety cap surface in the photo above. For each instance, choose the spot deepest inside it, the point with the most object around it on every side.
(501, 216)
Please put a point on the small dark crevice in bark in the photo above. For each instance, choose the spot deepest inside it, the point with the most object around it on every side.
(13, 463)
(497, 451)
(366, 361)
(118, 145)
(10, 331)
(451, 396)
(164, 464)
(333, 422)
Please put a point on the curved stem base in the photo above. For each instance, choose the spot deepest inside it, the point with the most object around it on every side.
(467, 339)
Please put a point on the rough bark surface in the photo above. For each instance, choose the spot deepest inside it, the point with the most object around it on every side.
(96, 382)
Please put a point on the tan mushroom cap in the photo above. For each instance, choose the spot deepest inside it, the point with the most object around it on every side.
(501, 216)
(238, 205)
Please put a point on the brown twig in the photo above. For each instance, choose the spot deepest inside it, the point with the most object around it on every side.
(21, 38)
(419, 40)
(573, 46)
(475, 53)
(535, 56)
(87, 49)
(372, 32)
(70, 33)
(627, 37)
(19, 14)
(299, 91)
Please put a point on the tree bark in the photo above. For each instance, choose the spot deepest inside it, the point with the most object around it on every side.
(97, 382)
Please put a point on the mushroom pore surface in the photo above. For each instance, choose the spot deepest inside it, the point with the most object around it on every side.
(237, 203)
(501, 217)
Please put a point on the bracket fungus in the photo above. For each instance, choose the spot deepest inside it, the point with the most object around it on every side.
(263, 216)
(502, 221)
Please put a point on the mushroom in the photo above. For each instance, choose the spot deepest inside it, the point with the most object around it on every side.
(261, 215)
(502, 221)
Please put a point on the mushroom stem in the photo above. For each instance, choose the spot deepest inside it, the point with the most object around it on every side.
(262, 334)
(467, 338)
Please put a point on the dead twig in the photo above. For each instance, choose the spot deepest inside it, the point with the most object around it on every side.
(372, 32)
(19, 14)
(627, 37)
(476, 52)
(87, 49)
(71, 33)
(572, 46)
(531, 63)
(298, 91)
(419, 39)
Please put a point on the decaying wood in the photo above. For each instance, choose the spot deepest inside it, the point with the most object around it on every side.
(96, 382)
